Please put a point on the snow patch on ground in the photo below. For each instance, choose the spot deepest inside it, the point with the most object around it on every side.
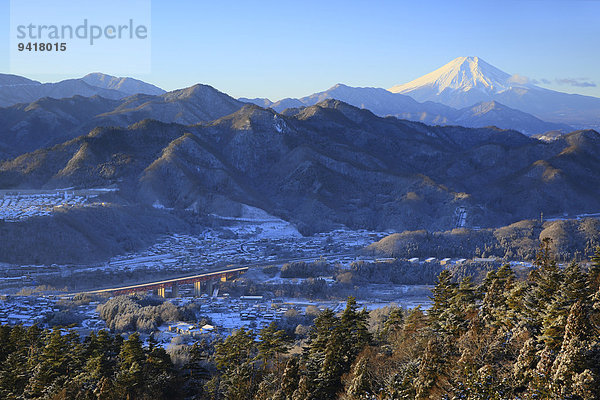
(260, 224)
(279, 124)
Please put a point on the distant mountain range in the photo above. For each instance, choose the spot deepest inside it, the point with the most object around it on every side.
(326, 165)
(474, 93)
(467, 92)
(16, 89)
(385, 103)
(379, 101)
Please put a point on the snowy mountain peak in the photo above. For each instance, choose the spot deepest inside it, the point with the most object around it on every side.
(461, 74)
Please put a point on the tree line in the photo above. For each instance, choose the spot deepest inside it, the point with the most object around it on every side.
(569, 239)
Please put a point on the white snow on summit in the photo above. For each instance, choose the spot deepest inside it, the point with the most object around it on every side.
(462, 74)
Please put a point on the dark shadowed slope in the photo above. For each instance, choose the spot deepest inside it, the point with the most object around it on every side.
(329, 164)
(48, 121)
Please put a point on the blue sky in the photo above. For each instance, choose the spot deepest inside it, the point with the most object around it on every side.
(281, 49)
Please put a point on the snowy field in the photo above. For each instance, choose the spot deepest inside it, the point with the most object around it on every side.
(23, 204)
(254, 238)
(259, 224)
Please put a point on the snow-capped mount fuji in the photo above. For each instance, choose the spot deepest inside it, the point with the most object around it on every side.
(466, 81)
(471, 77)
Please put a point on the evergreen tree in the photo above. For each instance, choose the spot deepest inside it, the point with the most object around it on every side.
(593, 281)
(480, 385)
(234, 357)
(273, 342)
(392, 326)
(53, 365)
(269, 388)
(101, 361)
(444, 317)
(196, 369)
(321, 331)
(130, 378)
(400, 385)
(360, 381)
(544, 282)
(303, 392)
(524, 366)
(431, 379)
(6, 346)
(416, 321)
(462, 308)
(354, 331)
(466, 295)
(237, 349)
(14, 375)
(106, 390)
(572, 288)
(333, 346)
(290, 378)
(327, 383)
(495, 307)
(573, 361)
(159, 374)
(238, 382)
(443, 292)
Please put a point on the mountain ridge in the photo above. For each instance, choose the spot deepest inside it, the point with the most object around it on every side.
(327, 165)
(49, 121)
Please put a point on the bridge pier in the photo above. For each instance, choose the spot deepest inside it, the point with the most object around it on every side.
(174, 290)
(204, 287)
(160, 292)
(198, 288)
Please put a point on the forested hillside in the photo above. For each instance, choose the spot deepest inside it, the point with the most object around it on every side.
(568, 239)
